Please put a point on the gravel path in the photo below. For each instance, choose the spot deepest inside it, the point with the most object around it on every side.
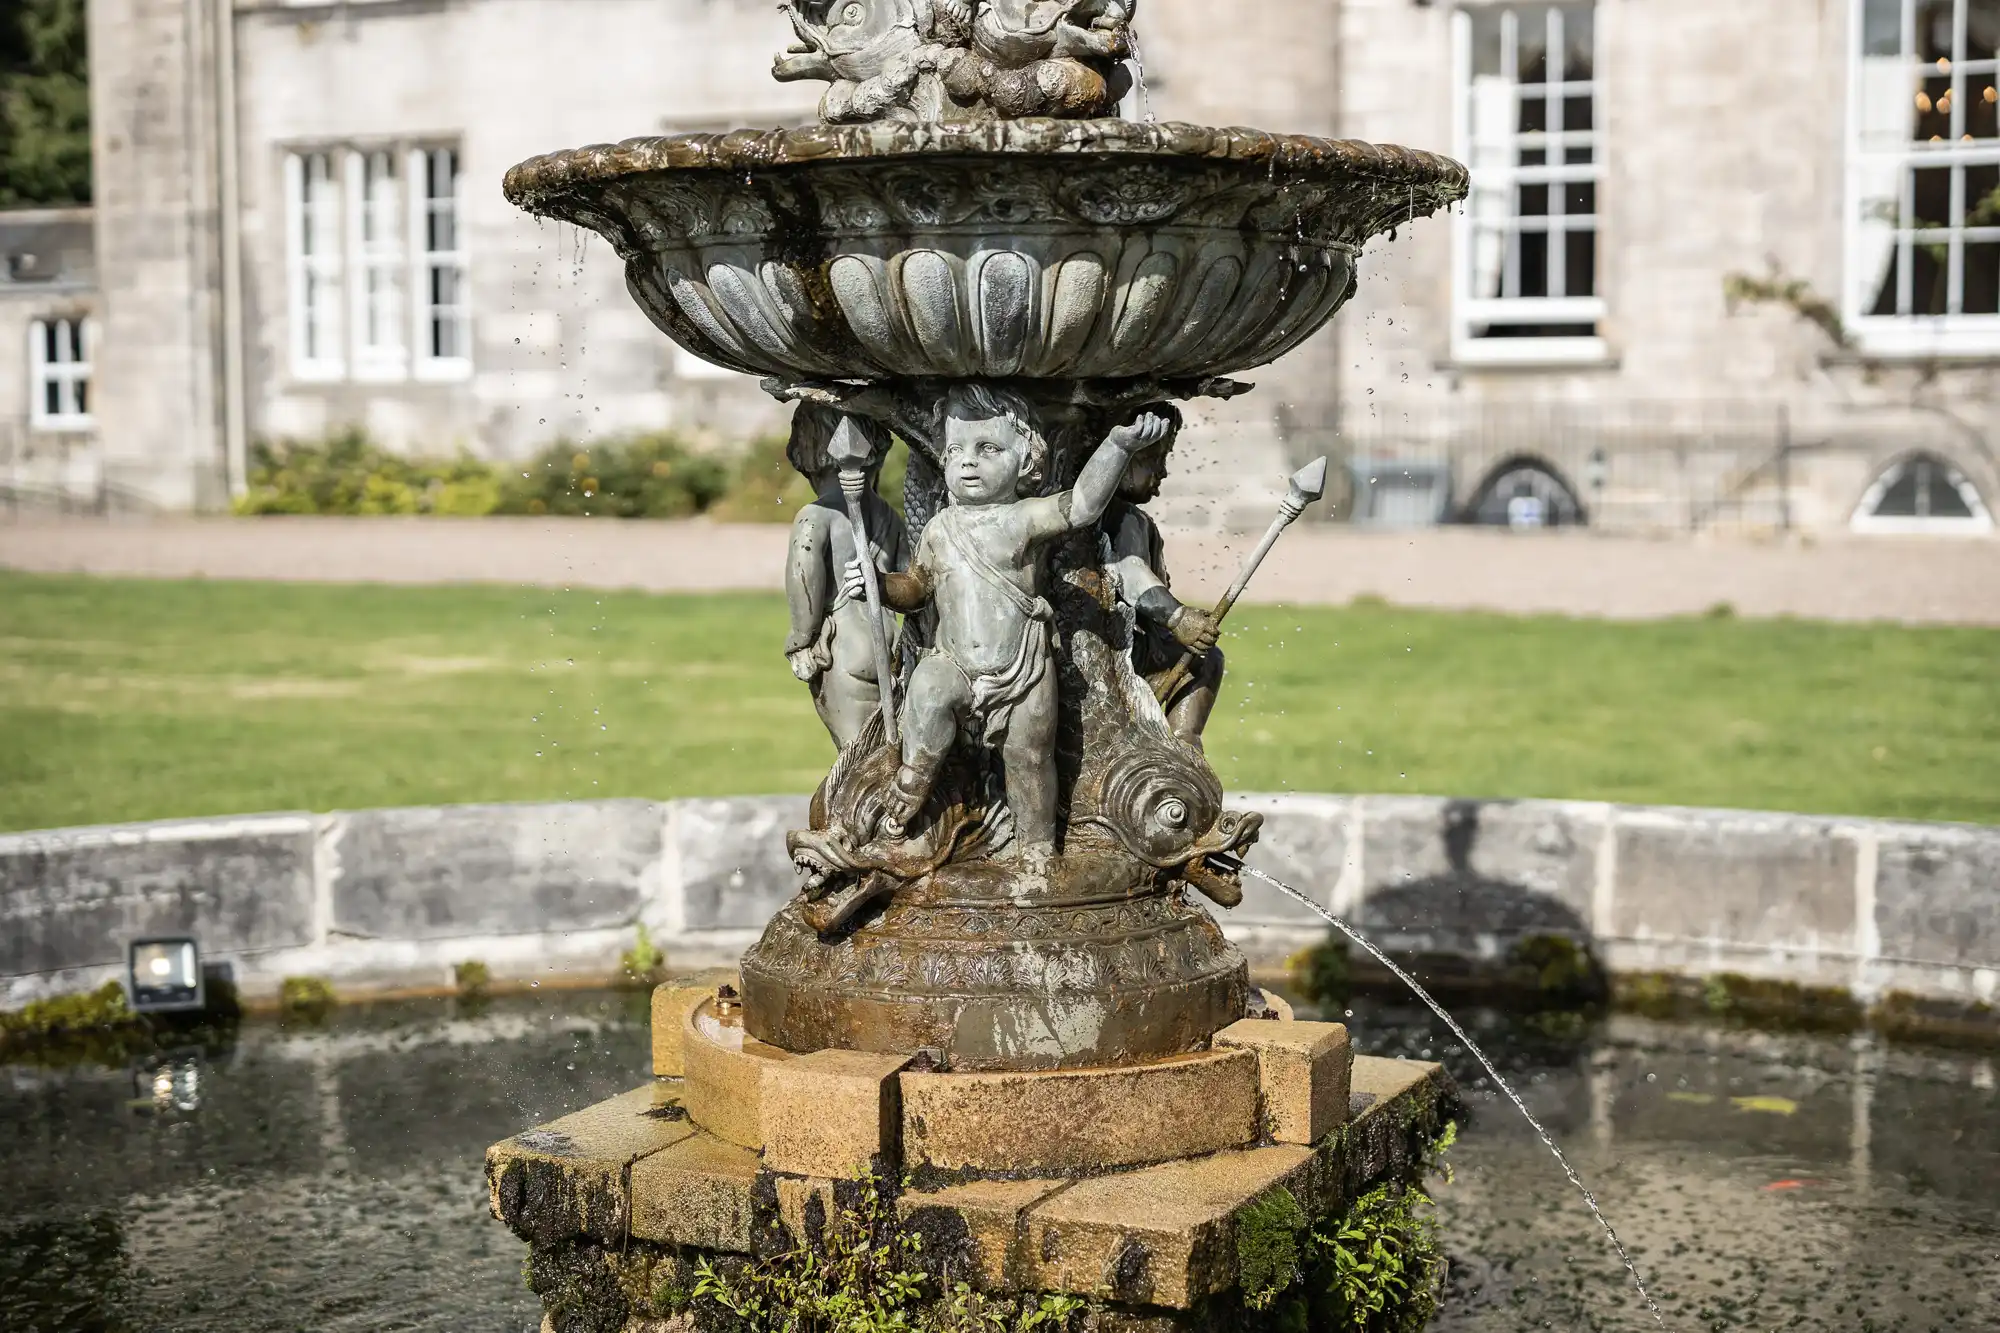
(1913, 581)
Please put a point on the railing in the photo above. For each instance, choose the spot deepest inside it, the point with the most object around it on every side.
(1651, 466)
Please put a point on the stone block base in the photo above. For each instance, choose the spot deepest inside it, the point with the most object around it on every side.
(621, 1200)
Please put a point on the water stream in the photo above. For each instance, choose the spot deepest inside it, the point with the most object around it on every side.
(1139, 79)
(1472, 1047)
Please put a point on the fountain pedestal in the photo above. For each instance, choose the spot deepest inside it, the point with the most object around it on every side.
(1146, 1194)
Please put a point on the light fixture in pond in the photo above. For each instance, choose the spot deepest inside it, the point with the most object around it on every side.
(164, 976)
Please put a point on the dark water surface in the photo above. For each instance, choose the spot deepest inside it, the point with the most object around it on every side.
(329, 1179)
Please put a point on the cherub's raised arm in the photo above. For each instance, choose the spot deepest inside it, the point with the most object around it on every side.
(1097, 486)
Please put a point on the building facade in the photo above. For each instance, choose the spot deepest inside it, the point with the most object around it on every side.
(1720, 265)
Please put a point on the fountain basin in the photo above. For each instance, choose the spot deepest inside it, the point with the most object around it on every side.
(1042, 249)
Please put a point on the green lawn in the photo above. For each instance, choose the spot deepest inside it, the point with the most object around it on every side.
(140, 700)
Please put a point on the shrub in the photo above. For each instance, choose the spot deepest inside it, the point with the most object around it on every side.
(644, 476)
(307, 997)
(472, 979)
(348, 473)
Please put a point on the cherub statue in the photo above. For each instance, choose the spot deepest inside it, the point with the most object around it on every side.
(979, 566)
(885, 59)
(1167, 629)
(831, 647)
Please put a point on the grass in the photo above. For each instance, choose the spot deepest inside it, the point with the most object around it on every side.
(125, 700)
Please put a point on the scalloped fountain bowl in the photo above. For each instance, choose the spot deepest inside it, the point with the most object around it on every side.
(1044, 249)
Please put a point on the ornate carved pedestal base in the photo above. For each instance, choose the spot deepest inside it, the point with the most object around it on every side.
(1104, 966)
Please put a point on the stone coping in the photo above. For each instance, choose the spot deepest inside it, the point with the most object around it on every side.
(376, 900)
(534, 183)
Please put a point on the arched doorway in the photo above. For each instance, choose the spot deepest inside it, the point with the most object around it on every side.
(1525, 492)
(1922, 493)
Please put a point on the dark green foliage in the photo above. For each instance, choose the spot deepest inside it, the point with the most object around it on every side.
(44, 104)
(645, 476)
(1322, 974)
(348, 473)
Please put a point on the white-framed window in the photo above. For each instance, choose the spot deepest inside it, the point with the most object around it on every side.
(375, 220)
(444, 341)
(1923, 176)
(314, 244)
(59, 373)
(1923, 494)
(1526, 253)
(376, 264)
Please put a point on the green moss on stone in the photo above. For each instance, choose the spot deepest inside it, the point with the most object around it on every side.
(102, 1010)
(310, 998)
(1269, 1236)
(1561, 971)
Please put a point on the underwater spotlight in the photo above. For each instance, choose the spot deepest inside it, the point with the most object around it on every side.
(164, 976)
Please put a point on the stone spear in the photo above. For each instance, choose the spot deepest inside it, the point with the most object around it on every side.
(851, 451)
(1306, 486)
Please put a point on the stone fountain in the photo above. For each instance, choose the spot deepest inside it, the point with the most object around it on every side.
(1001, 975)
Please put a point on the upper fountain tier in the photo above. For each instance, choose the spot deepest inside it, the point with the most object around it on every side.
(1036, 248)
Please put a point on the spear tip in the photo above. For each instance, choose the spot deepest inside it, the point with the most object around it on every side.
(1310, 480)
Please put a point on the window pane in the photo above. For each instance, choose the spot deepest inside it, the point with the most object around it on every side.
(1933, 103)
(1980, 98)
(1982, 278)
(1533, 21)
(1944, 499)
(1982, 31)
(73, 334)
(51, 398)
(1882, 28)
(1982, 196)
(1579, 32)
(1486, 42)
(49, 328)
(1930, 266)
(1934, 24)
(1580, 266)
(1534, 263)
(1533, 201)
(1577, 113)
(1534, 113)
(1578, 157)
(82, 387)
(1580, 198)
(1900, 499)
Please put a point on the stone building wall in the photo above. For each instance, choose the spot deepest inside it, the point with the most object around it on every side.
(45, 274)
(1723, 129)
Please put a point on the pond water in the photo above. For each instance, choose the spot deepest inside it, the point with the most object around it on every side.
(324, 1179)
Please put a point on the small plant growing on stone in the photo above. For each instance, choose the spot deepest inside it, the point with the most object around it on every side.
(310, 998)
(865, 1275)
(643, 964)
(473, 979)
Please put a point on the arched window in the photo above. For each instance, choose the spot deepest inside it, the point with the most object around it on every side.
(1525, 492)
(1922, 493)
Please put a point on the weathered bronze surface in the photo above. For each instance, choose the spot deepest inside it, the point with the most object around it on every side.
(1007, 864)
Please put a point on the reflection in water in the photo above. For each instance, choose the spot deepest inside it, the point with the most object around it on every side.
(330, 1180)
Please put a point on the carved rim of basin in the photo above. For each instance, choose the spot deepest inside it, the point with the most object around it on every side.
(1041, 249)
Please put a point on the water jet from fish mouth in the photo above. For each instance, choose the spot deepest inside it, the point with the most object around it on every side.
(1548, 1140)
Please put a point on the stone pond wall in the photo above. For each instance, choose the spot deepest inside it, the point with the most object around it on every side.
(390, 899)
